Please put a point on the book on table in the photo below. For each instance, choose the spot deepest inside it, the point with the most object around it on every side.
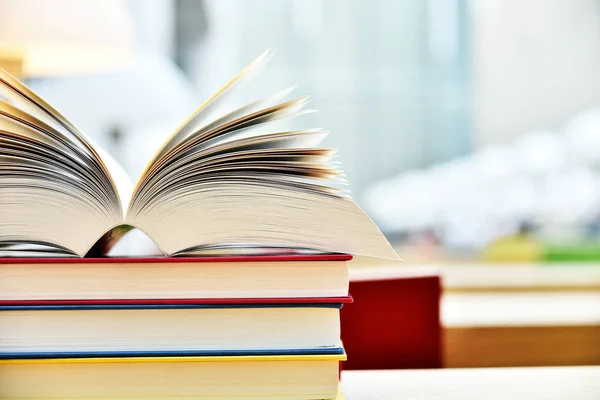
(290, 377)
(171, 345)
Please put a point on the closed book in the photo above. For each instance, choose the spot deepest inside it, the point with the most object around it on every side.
(145, 279)
(165, 328)
(283, 376)
(394, 321)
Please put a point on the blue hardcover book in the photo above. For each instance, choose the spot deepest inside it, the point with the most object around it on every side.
(229, 328)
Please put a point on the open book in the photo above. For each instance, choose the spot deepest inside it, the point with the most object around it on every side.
(219, 181)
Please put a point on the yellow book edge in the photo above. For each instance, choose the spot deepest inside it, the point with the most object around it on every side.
(104, 360)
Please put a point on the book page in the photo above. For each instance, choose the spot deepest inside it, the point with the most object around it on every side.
(19, 121)
(30, 102)
(234, 127)
(120, 178)
(26, 99)
(194, 121)
(237, 116)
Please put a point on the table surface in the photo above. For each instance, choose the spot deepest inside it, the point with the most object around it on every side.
(546, 383)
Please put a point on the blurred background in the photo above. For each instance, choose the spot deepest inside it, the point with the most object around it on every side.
(469, 130)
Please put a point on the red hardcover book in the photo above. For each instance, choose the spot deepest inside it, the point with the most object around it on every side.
(298, 279)
(394, 321)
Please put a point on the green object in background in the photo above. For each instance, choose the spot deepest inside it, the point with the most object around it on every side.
(583, 251)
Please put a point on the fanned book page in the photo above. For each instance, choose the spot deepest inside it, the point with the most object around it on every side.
(219, 182)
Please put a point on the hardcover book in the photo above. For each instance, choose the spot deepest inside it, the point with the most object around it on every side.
(285, 377)
(166, 328)
(177, 280)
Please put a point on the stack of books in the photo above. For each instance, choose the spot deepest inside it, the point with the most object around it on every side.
(254, 227)
(211, 327)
